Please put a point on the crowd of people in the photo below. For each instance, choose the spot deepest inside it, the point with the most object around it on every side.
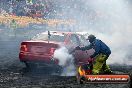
(24, 12)
(48, 9)
(44, 8)
(23, 8)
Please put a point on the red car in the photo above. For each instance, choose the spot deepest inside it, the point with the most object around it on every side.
(40, 49)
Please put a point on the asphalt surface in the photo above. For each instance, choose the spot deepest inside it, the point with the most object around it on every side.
(18, 77)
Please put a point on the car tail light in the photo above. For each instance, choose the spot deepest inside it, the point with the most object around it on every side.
(52, 50)
(24, 48)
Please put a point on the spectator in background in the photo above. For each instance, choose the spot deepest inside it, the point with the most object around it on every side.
(13, 24)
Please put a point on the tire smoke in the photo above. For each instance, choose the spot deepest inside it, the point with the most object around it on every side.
(66, 60)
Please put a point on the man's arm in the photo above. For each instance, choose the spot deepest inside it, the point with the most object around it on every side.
(86, 47)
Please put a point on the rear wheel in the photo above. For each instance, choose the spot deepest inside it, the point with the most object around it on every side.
(53, 68)
(30, 65)
(57, 69)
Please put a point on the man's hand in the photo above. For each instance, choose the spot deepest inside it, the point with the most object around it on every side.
(91, 60)
(91, 56)
(77, 48)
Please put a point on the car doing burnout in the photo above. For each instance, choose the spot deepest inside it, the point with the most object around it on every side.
(40, 49)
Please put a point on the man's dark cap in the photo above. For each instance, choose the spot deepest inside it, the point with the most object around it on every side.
(91, 36)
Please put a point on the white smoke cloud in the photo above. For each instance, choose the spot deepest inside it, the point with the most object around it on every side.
(109, 20)
(115, 30)
(66, 60)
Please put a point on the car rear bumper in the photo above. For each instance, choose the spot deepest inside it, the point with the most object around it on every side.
(37, 58)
